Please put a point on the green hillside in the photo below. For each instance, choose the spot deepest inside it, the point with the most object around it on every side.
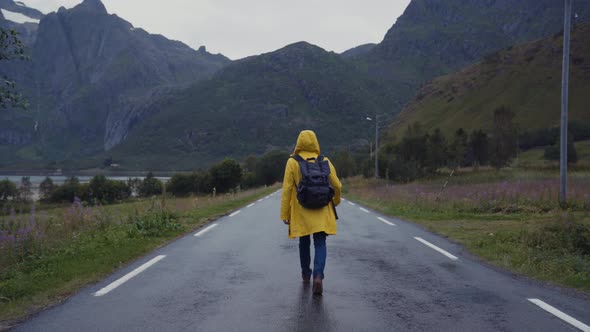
(255, 105)
(525, 78)
(434, 38)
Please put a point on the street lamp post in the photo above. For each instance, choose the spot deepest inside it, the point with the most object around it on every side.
(567, 22)
(377, 117)
(376, 146)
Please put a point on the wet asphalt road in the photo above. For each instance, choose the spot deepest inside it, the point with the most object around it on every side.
(243, 275)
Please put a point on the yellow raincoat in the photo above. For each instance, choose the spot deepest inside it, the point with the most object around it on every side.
(307, 221)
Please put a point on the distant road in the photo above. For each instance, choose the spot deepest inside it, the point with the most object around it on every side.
(242, 273)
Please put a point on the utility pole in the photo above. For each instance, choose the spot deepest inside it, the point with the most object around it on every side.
(377, 146)
(564, 101)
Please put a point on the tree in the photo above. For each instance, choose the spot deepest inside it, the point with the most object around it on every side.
(479, 148)
(437, 151)
(250, 164)
(504, 137)
(46, 189)
(103, 190)
(459, 148)
(271, 167)
(8, 191)
(414, 146)
(150, 186)
(226, 175)
(202, 182)
(345, 164)
(180, 184)
(99, 188)
(68, 191)
(10, 48)
(25, 190)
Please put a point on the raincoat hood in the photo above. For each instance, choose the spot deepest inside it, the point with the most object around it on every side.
(308, 142)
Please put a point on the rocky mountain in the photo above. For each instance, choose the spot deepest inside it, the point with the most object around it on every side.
(90, 80)
(358, 51)
(17, 16)
(255, 105)
(99, 87)
(437, 37)
(525, 78)
(20, 8)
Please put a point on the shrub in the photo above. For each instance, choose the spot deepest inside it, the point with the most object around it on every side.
(157, 222)
(553, 152)
(270, 169)
(249, 180)
(68, 191)
(572, 237)
(150, 186)
(180, 185)
(226, 175)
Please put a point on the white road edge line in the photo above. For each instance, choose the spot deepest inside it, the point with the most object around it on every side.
(251, 205)
(235, 213)
(364, 210)
(446, 253)
(205, 230)
(260, 200)
(561, 315)
(128, 276)
(386, 221)
(351, 203)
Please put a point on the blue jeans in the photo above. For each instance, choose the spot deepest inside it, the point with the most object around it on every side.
(319, 261)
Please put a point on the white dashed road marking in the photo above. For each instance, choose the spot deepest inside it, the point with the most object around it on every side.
(561, 315)
(386, 221)
(251, 205)
(128, 276)
(351, 203)
(446, 253)
(364, 210)
(235, 213)
(206, 230)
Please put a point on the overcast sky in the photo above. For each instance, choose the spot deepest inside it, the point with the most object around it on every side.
(239, 28)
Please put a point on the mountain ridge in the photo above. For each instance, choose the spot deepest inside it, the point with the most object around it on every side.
(433, 38)
(525, 78)
(228, 116)
(88, 70)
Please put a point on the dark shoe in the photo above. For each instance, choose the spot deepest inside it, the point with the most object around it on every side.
(317, 286)
(306, 278)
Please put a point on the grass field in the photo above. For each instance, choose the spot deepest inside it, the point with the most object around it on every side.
(510, 218)
(47, 256)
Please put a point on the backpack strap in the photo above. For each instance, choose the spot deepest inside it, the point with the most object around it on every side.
(319, 160)
(301, 162)
(298, 158)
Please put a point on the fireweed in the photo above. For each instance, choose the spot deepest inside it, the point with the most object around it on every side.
(27, 234)
(506, 196)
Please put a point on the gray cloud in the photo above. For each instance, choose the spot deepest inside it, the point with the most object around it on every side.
(239, 28)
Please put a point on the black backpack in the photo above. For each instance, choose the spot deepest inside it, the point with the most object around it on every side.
(314, 190)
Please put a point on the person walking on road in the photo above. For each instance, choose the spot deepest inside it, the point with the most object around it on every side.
(311, 192)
